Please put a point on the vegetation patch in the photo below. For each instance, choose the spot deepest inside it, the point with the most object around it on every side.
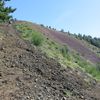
(62, 53)
(27, 33)
(94, 41)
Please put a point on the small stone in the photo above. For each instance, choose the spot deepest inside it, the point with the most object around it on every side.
(82, 97)
(27, 97)
(35, 86)
(24, 70)
(64, 98)
(36, 80)
(5, 81)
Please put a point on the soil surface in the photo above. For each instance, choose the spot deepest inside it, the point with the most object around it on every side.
(27, 74)
(65, 39)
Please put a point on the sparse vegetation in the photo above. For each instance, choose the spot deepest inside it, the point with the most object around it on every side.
(72, 59)
(57, 51)
(64, 51)
(87, 66)
(21, 58)
(27, 33)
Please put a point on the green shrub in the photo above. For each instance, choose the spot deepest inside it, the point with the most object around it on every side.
(37, 38)
(98, 66)
(93, 71)
(27, 33)
(64, 51)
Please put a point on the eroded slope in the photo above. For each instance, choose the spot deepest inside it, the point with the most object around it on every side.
(27, 74)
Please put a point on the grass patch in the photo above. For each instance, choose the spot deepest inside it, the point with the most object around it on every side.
(64, 51)
(33, 36)
(88, 67)
(36, 38)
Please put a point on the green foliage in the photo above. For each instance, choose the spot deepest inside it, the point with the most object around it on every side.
(27, 33)
(80, 36)
(88, 67)
(5, 11)
(94, 41)
(67, 93)
(64, 51)
(36, 38)
(62, 30)
(93, 71)
(98, 66)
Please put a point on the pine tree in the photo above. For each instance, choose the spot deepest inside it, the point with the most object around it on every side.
(5, 11)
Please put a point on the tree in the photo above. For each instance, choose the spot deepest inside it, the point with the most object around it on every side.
(62, 30)
(49, 27)
(5, 11)
(80, 36)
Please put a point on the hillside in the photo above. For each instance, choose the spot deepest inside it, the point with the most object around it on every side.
(67, 40)
(68, 50)
(26, 73)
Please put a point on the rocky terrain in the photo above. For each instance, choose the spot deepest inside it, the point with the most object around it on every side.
(28, 74)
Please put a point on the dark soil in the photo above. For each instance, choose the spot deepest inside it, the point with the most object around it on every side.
(27, 74)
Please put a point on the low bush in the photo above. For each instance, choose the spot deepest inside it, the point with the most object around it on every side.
(37, 38)
(64, 51)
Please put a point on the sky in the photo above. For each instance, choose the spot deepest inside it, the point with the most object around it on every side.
(75, 16)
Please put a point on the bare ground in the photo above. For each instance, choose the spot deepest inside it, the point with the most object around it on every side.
(27, 74)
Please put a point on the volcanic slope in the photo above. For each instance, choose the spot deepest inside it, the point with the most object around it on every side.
(28, 74)
(65, 39)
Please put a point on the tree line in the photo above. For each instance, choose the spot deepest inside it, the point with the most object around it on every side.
(94, 41)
